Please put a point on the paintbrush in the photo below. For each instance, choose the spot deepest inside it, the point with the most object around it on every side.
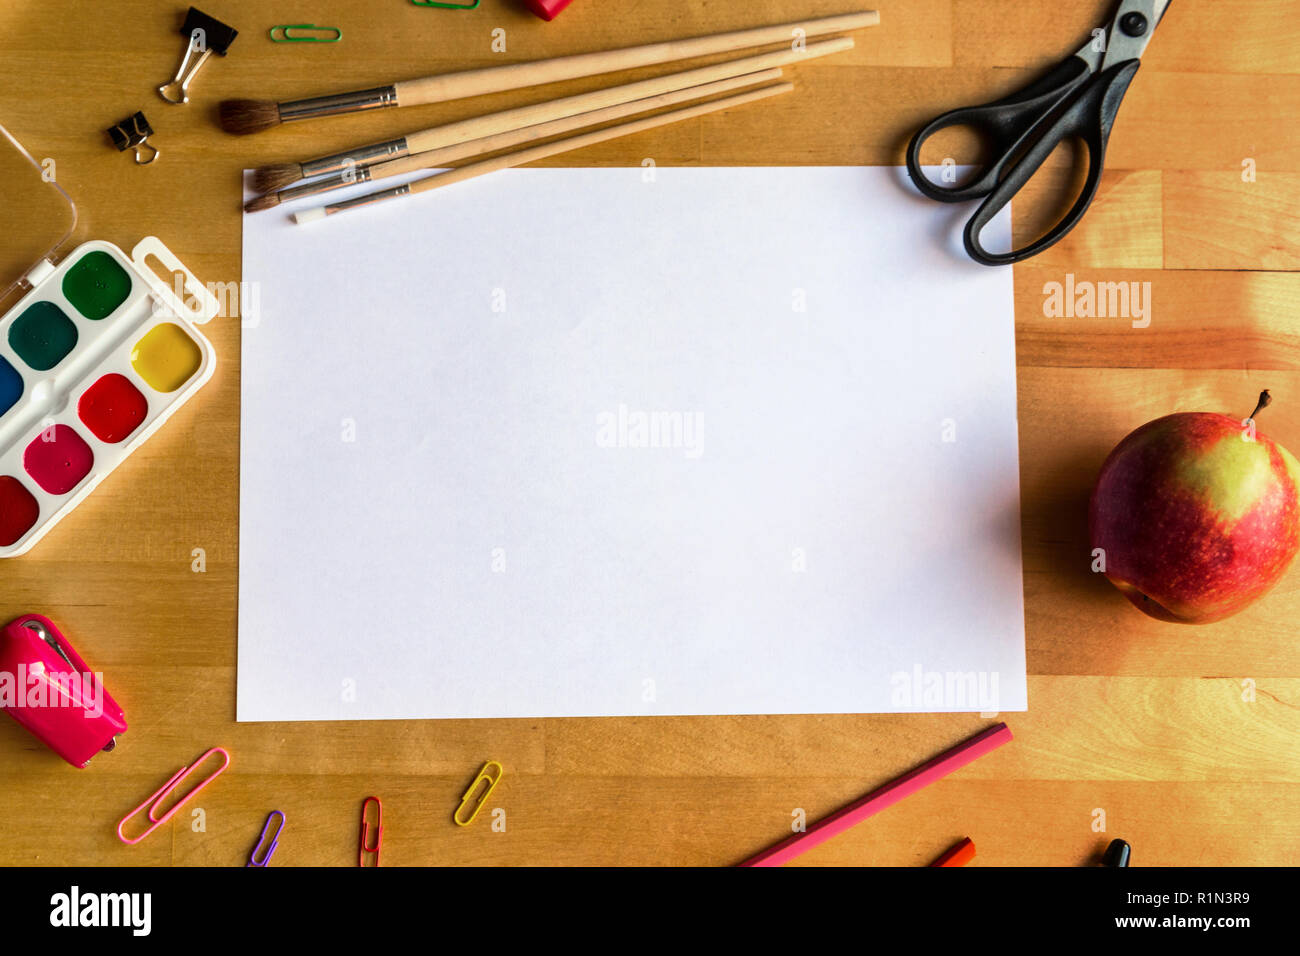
(267, 179)
(253, 116)
(535, 153)
(438, 158)
(277, 176)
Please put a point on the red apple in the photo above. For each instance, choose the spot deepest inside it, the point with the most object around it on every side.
(1197, 515)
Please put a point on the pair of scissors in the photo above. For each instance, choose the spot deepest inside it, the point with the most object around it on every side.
(1077, 100)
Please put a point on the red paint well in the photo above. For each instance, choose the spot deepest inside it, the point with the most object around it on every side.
(112, 408)
(58, 458)
(18, 510)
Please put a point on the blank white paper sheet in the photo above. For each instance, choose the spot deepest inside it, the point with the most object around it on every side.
(602, 442)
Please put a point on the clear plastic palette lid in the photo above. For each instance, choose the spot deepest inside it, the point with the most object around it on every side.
(39, 217)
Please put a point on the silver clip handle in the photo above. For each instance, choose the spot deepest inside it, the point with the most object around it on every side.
(185, 74)
(154, 153)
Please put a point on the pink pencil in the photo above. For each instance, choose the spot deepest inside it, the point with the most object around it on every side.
(886, 796)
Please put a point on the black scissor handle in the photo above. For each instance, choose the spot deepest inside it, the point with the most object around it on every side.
(1089, 117)
(1007, 123)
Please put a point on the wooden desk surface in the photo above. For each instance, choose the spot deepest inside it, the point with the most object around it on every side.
(1146, 722)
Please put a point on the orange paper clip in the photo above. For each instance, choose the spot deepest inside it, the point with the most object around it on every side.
(366, 845)
(161, 796)
(493, 777)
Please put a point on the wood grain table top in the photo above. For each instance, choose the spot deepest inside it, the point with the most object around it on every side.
(1181, 740)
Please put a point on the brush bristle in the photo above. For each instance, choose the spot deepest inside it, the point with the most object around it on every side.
(268, 201)
(267, 179)
(242, 117)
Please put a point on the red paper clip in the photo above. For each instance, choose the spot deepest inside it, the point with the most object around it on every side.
(366, 845)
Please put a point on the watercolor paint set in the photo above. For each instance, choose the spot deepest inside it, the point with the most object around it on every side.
(98, 353)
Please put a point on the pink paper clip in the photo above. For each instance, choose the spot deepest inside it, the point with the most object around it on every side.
(158, 798)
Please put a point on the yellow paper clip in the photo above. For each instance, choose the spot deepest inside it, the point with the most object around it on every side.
(492, 780)
(153, 802)
(316, 35)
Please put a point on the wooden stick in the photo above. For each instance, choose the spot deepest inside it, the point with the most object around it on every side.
(479, 126)
(438, 89)
(517, 137)
(438, 158)
(534, 153)
(270, 179)
(252, 116)
(277, 176)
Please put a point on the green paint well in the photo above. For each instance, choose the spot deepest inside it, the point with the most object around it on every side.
(1231, 476)
(43, 336)
(96, 285)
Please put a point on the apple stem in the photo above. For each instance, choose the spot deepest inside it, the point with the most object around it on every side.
(1265, 399)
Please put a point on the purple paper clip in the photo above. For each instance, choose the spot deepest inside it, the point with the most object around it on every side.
(261, 841)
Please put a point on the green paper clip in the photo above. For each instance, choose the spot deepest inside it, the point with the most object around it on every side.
(446, 6)
(287, 37)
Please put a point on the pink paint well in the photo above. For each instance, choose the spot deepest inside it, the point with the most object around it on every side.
(57, 459)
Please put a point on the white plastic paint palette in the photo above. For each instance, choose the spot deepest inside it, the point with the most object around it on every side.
(93, 360)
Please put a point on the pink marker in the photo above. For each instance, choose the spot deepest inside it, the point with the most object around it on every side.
(886, 796)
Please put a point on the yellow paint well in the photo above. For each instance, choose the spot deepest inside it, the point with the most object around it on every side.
(166, 357)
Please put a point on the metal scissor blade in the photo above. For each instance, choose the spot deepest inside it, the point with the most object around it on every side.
(1131, 30)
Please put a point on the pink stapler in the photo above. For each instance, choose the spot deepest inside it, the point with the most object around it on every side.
(50, 690)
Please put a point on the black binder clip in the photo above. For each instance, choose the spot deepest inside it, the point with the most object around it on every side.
(133, 133)
(204, 36)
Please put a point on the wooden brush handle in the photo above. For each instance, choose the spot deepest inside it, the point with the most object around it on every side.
(567, 124)
(546, 150)
(452, 86)
(480, 126)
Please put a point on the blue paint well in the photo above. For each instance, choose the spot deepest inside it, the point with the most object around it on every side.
(11, 386)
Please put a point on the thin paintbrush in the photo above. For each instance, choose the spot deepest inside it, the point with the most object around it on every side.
(438, 158)
(269, 178)
(535, 153)
(253, 116)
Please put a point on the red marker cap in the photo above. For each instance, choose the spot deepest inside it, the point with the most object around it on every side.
(958, 855)
(546, 9)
